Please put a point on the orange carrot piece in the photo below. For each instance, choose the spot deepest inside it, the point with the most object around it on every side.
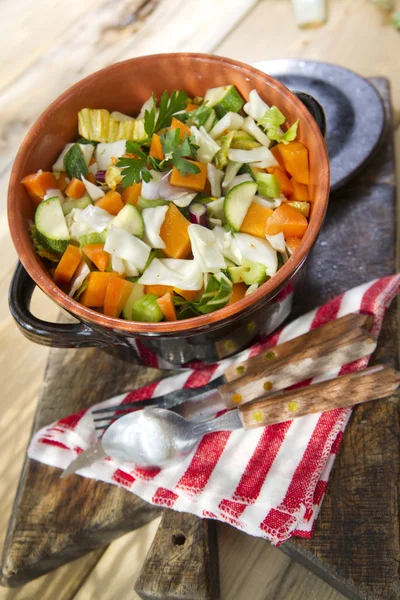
(194, 182)
(189, 295)
(37, 184)
(238, 292)
(63, 181)
(174, 233)
(167, 306)
(191, 107)
(287, 220)
(156, 147)
(184, 130)
(117, 293)
(95, 292)
(76, 188)
(68, 264)
(111, 202)
(300, 191)
(90, 177)
(276, 153)
(295, 159)
(293, 243)
(130, 194)
(256, 219)
(158, 290)
(284, 182)
(96, 253)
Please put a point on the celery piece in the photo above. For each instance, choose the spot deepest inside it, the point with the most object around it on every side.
(268, 185)
(147, 310)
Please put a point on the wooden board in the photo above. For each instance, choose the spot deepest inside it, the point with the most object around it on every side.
(20, 561)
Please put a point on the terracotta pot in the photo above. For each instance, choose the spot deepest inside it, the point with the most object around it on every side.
(124, 87)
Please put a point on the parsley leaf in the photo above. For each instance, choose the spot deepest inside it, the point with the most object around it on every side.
(169, 105)
(134, 169)
(175, 151)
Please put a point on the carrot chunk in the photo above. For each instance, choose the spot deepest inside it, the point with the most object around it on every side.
(96, 253)
(194, 182)
(76, 188)
(238, 292)
(158, 290)
(184, 130)
(95, 292)
(37, 184)
(63, 181)
(255, 220)
(167, 306)
(189, 295)
(117, 293)
(293, 243)
(300, 191)
(284, 182)
(156, 147)
(191, 107)
(295, 160)
(111, 202)
(67, 265)
(174, 233)
(130, 194)
(287, 220)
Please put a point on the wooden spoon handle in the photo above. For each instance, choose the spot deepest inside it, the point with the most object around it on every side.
(336, 328)
(355, 388)
(312, 361)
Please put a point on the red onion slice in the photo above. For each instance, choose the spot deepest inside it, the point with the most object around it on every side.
(101, 176)
(198, 214)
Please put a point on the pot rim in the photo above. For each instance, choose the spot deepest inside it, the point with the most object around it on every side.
(264, 292)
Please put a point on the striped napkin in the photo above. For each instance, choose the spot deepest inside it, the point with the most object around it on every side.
(268, 482)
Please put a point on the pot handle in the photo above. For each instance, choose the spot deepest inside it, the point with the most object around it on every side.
(58, 335)
(315, 108)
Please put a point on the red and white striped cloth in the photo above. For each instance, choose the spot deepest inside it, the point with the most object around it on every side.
(268, 482)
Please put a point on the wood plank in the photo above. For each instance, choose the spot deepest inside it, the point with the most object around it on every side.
(182, 561)
(77, 514)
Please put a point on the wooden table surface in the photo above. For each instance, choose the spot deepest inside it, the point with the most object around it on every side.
(48, 46)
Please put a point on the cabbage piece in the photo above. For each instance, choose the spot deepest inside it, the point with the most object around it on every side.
(121, 117)
(151, 189)
(208, 147)
(117, 265)
(271, 121)
(95, 192)
(258, 155)
(271, 203)
(230, 122)
(52, 193)
(277, 242)
(93, 168)
(153, 219)
(130, 269)
(106, 152)
(87, 151)
(179, 195)
(215, 177)
(258, 250)
(250, 126)
(221, 158)
(237, 180)
(79, 277)
(183, 274)
(96, 218)
(252, 288)
(122, 244)
(216, 209)
(255, 107)
(148, 105)
(205, 249)
(231, 170)
(227, 245)
(76, 227)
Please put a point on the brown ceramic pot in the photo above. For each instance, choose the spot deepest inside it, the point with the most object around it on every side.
(124, 87)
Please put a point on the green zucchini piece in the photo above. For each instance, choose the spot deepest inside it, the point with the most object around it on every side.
(51, 227)
(253, 272)
(74, 163)
(76, 203)
(224, 99)
(237, 203)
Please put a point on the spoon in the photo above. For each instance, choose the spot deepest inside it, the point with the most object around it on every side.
(156, 437)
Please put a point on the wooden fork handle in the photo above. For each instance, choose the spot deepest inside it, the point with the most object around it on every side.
(311, 361)
(355, 388)
(333, 329)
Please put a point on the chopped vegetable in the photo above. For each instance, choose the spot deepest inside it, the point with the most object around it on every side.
(258, 251)
(111, 202)
(215, 177)
(196, 181)
(174, 233)
(117, 293)
(237, 203)
(146, 309)
(293, 243)
(254, 272)
(158, 290)
(224, 99)
(38, 183)
(154, 119)
(63, 181)
(300, 191)
(51, 227)
(295, 160)
(125, 246)
(129, 219)
(205, 249)
(76, 188)
(167, 307)
(302, 207)
(95, 293)
(67, 266)
(136, 293)
(198, 214)
(268, 185)
(96, 253)
(287, 220)
(130, 194)
(238, 292)
(261, 155)
(231, 121)
(255, 220)
(183, 129)
(255, 107)
(156, 147)
(74, 162)
(182, 274)
(250, 126)
(277, 242)
(285, 184)
(153, 219)
(207, 147)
